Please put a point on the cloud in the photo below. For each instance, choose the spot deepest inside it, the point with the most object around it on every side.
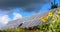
(17, 16)
(26, 5)
(4, 19)
(5, 11)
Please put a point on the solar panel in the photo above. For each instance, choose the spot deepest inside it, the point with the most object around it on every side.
(13, 24)
(34, 20)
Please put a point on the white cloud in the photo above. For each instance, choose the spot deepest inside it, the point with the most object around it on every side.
(17, 16)
(4, 19)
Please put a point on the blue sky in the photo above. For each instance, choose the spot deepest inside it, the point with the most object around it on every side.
(43, 9)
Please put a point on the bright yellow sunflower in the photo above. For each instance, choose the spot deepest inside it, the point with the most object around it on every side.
(44, 19)
(50, 14)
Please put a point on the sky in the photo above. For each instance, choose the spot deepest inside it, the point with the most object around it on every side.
(4, 18)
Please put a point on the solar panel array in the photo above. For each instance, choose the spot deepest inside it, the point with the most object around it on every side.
(13, 24)
(34, 20)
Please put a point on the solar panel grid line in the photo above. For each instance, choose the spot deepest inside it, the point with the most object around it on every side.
(37, 21)
(30, 22)
(33, 20)
(36, 17)
(27, 25)
(24, 24)
(40, 21)
(34, 24)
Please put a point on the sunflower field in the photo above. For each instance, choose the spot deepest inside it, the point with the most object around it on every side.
(51, 22)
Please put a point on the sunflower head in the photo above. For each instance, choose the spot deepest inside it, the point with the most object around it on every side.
(54, 21)
(50, 14)
(44, 19)
(58, 10)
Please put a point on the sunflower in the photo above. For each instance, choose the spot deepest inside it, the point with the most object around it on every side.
(55, 16)
(50, 14)
(54, 21)
(44, 19)
(58, 10)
